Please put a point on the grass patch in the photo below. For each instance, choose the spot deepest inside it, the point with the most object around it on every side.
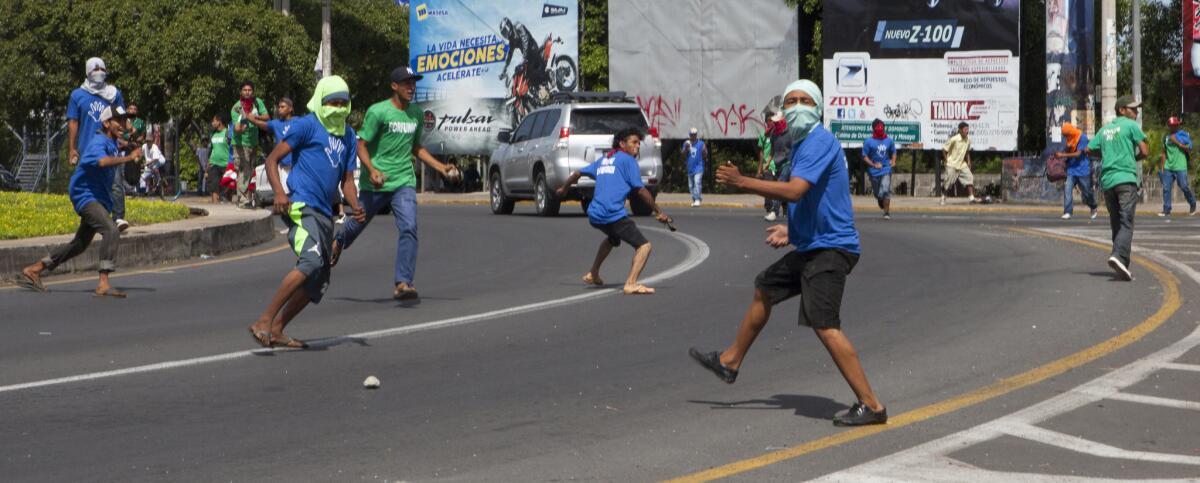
(27, 215)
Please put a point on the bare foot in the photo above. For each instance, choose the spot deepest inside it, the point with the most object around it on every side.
(638, 289)
(33, 277)
(591, 279)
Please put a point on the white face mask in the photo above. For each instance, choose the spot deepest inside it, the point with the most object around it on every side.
(801, 120)
(97, 77)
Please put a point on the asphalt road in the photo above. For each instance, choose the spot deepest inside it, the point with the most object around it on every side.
(589, 385)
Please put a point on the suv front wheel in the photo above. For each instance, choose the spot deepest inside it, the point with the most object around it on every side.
(500, 204)
(544, 202)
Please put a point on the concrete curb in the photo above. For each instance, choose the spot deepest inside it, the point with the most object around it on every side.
(161, 245)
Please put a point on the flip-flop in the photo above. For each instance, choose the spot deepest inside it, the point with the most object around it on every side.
(404, 294)
(289, 343)
(31, 284)
(590, 280)
(111, 292)
(262, 337)
(640, 290)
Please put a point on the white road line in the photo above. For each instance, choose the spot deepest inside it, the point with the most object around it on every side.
(1181, 367)
(1086, 446)
(922, 461)
(697, 252)
(1156, 401)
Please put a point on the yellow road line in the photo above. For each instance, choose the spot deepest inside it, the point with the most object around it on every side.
(185, 265)
(1170, 303)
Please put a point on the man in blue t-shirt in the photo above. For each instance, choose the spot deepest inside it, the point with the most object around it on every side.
(278, 127)
(821, 230)
(879, 152)
(696, 153)
(83, 121)
(617, 175)
(1079, 170)
(323, 148)
(91, 195)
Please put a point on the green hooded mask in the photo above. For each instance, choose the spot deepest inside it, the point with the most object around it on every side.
(333, 118)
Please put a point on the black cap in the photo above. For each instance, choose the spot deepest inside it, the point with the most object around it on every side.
(401, 74)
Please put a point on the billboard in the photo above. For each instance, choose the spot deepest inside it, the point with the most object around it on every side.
(923, 66)
(1069, 56)
(1191, 57)
(708, 64)
(487, 64)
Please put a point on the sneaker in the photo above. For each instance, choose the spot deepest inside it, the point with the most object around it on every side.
(860, 415)
(1094, 213)
(943, 202)
(770, 216)
(695, 203)
(122, 225)
(1066, 216)
(1117, 266)
(1163, 213)
(971, 199)
(1192, 212)
(712, 362)
(887, 216)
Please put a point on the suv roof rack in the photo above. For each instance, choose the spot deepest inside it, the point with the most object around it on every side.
(583, 97)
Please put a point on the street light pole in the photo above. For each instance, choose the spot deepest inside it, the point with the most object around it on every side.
(1137, 54)
(326, 43)
(1108, 78)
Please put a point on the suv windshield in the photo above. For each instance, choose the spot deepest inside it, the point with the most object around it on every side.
(606, 121)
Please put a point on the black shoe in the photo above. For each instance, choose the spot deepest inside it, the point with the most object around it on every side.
(712, 362)
(860, 415)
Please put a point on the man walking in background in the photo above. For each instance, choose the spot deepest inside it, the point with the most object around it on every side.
(1174, 163)
(774, 145)
(1120, 144)
(245, 134)
(879, 152)
(1079, 170)
(696, 153)
(957, 157)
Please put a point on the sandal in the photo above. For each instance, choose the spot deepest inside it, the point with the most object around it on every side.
(407, 292)
(111, 292)
(262, 337)
(590, 280)
(28, 282)
(639, 290)
(288, 342)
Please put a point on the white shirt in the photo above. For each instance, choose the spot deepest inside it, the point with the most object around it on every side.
(153, 155)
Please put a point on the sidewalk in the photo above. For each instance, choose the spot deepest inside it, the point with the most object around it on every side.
(866, 204)
(212, 230)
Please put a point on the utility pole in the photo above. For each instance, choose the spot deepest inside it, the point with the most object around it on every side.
(1108, 77)
(326, 43)
(1137, 54)
(283, 6)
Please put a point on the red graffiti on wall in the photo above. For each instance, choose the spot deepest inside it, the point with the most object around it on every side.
(736, 117)
(661, 111)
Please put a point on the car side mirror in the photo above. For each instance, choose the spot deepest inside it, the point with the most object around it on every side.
(504, 136)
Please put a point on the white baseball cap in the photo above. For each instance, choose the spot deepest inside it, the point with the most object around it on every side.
(693, 132)
(111, 111)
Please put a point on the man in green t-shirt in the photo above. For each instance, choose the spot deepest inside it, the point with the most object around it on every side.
(218, 155)
(1120, 144)
(245, 133)
(388, 142)
(1174, 164)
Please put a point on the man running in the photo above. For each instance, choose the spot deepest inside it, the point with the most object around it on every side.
(91, 195)
(1174, 163)
(324, 147)
(1079, 170)
(1120, 144)
(83, 118)
(879, 152)
(821, 228)
(956, 154)
(390, 139)
(616, 175)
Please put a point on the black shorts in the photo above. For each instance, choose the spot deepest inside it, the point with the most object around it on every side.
(818, 276)
(623, 229)
(215, 173)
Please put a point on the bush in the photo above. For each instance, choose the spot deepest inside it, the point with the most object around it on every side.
(27, 215)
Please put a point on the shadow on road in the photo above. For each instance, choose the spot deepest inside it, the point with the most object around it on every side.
(816, 407)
